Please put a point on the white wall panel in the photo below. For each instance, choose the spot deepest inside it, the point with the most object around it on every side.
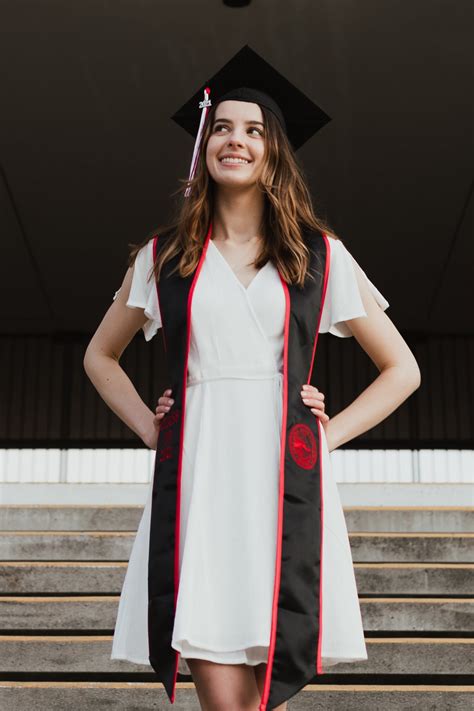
(135, 466)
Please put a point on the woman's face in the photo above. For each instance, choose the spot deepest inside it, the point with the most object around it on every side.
(237, 131)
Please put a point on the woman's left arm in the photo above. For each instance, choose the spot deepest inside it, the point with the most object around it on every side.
(399, 372)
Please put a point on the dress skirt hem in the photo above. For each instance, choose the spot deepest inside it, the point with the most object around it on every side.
(343, 634)
(243, 658)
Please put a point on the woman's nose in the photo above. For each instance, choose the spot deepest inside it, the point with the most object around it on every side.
(234, 139)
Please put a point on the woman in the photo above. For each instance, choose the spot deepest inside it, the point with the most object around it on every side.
(255, 237)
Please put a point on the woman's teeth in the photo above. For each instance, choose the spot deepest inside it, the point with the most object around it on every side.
(234, 160)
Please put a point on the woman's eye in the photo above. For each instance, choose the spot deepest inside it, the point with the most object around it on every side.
(222, 125)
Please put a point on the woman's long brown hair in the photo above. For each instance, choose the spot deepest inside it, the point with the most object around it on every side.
(287, 210)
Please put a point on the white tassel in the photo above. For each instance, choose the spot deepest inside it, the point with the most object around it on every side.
(204, 105)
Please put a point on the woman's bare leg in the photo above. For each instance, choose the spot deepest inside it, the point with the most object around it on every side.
(260, 671)
(224, 687)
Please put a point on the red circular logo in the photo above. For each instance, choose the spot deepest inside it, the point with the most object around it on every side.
(303, 446)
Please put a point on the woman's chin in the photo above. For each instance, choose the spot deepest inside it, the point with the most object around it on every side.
(234, 182)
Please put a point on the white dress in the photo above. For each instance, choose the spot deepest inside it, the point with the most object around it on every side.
(229, 510)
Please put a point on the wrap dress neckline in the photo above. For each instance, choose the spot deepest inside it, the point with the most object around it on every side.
(245, 288)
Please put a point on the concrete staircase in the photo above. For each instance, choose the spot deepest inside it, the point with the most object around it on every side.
(62, 569)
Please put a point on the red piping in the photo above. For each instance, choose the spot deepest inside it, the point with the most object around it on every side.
(180, 461)
(281, 489)
(271, 651)
(323, 297)
(319, 663)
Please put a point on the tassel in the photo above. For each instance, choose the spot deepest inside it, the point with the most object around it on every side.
(204, 105)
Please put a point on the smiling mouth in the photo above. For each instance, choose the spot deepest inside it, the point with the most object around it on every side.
(224, 161)
(234, 165)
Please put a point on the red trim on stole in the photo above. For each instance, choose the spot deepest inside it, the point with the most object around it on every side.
(263, 705)
(180, 461)
(281, 489)
(319, 665)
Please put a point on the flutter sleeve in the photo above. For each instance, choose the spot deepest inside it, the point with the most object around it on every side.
(343, 299)
(143, 294)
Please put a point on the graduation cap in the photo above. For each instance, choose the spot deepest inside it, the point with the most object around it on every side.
(248, 77)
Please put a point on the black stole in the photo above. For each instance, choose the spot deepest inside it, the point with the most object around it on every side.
(296, 631)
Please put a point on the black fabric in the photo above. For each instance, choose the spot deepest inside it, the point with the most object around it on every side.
(245, 93)
(295, 644)
(245, 73)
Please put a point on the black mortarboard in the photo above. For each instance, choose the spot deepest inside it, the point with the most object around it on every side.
(248, 77)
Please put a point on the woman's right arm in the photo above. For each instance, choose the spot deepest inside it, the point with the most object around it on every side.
(101, 363)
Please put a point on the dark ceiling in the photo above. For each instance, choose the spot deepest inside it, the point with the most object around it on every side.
(90, 157)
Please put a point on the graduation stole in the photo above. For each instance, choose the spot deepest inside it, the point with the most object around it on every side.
(296, 628)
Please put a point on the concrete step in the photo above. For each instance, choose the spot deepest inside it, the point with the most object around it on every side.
(117, 545)
(71, 577)
(410, 519)
(414, 547)
(91, 654)
(35, 577)
(142, 696)
(414, 578)
(91, 612)
(66, 545)
(431, 519)
(64, 517)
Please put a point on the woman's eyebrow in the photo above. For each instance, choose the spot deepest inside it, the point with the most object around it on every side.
(230, 121)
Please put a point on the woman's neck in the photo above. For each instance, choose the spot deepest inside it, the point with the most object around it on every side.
(237, 216)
